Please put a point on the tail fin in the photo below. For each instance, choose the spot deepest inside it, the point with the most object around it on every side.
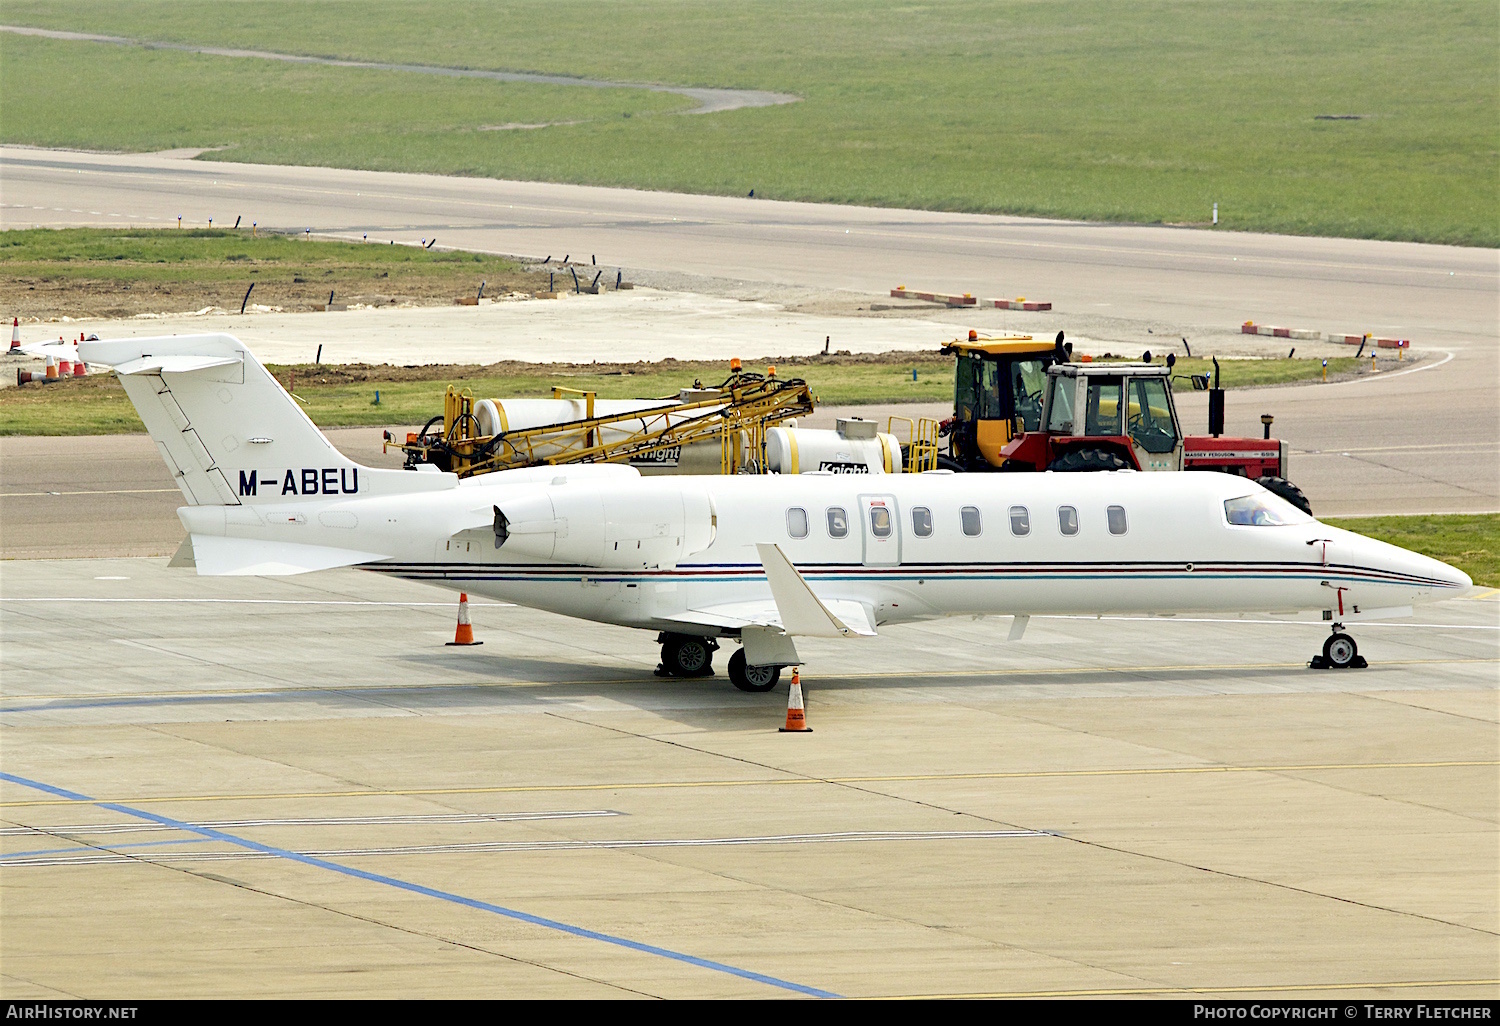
(229, 433)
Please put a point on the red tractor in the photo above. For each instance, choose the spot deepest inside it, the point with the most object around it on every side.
(1120, 416)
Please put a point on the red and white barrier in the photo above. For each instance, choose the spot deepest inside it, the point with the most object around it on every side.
(1371, 340)
(967, 299)
(1019, 303)
(1251, 328)
(934, 297)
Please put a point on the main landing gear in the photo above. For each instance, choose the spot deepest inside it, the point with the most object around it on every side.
(687, 655)
(751, 678)
(1339, 653)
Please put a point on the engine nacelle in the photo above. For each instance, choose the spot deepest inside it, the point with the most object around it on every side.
(601, 525)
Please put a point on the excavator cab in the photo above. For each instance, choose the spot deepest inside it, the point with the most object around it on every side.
(999, 385)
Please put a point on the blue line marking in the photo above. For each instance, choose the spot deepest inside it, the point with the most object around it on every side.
(430, 892)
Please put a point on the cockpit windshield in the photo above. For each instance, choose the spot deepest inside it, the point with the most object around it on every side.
(1263, 511)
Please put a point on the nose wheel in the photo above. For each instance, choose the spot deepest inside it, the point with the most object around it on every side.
(1339, 653)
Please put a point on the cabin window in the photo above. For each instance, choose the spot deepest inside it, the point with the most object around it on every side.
(880, 521)
(1020, 521)
(838, 523)
(1262, 511)
(1067, 520)
(969, 516)
(1117, 522)
(796, 522)
(921, 521)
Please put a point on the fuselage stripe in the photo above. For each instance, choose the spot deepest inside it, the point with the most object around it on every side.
(1176, 570)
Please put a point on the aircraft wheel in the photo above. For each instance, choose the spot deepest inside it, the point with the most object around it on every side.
(1283, 488)
(1089, 460)
(751, 678)
(684, 655)
(1340, 652)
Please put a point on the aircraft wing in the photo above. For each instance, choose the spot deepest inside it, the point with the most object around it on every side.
(851, 615)
(801, 612)
(794, 609)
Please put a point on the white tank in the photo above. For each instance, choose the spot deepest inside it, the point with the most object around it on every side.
(498, 416)
(856, 448)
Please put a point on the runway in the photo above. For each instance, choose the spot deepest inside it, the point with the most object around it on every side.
(1436, 295)
(290, 787)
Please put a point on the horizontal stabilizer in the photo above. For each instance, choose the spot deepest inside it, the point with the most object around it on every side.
(58, 348)
(174, 364)
(243, 557)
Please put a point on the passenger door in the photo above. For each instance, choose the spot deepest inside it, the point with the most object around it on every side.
(882, 530)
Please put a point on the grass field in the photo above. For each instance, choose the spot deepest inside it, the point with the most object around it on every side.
(337, 396)
(1148, 111)
(88, 272)
(1469, 542)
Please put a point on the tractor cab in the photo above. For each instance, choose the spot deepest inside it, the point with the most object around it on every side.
(1103, 417)
(999, 387)
(1022, 405)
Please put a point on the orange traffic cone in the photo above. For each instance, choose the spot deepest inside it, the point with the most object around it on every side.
(15, 333)
(796, 715)
(464, 635)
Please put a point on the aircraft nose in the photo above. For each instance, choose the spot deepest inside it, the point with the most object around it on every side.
(1457, 578)
(1448, 581)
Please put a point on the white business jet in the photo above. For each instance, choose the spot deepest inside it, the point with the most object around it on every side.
(761, 559)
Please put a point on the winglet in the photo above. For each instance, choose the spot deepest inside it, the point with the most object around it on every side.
(802, 613)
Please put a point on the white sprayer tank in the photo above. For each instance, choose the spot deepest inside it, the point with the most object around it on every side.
(499, 416)
(854, 448)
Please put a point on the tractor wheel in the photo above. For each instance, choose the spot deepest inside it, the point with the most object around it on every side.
(1280, 486)
(1089, 460)
(949, 463)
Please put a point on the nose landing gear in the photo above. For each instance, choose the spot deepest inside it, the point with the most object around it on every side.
(1339, 653)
